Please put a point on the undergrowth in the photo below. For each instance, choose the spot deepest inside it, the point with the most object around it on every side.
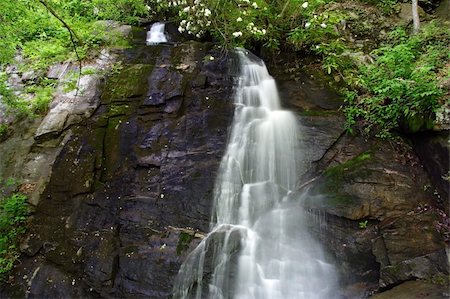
(401, 89)
(13, 215)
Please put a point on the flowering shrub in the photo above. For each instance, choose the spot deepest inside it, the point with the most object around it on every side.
(250, 22)
(232, 23)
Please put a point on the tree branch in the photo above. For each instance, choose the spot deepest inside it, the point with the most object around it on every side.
(73, 36)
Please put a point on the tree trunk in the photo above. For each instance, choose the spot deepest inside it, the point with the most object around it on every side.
(415, 16)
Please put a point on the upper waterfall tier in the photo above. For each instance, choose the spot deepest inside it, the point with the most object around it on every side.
(156, 34)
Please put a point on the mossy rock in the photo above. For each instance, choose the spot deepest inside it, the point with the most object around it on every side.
(127, 84)
(111, 145)
(417, 123)
(184, 241)
(331, 194)
(119, 109)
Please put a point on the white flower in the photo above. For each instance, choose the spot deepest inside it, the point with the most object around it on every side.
(237, 34)
(183, 22)
(211, 58)
(305, 5)
(323, 25)
(307, 25)
(186, 9)
(207, 12)
(239, 19)
(263, 31)
(180, 29)
(255, 5)
(147, 7)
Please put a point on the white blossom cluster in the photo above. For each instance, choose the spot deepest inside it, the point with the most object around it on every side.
(249, 28)
(317, 21)
(171, 3)
(196, 17)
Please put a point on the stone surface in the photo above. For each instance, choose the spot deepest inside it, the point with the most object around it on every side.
(114, 29)
(433, 149)
(414, 290)
(433, 266)
(443, 11)
(383, 191)
(126, 178)
(405, 13)
(57, 71)
(130, 189)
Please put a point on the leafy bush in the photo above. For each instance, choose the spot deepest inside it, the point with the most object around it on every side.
(401, 88)
(13, 214)
(13, 103)
(3, 130)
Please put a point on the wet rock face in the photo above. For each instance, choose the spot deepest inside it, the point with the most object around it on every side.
(376, 206)
(433, 149)
(132, 181)
(382, 211)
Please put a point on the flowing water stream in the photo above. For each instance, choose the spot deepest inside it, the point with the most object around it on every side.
(156, 34)
(258, 246)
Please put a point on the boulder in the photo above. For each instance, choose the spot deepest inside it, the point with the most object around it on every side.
(414, 289)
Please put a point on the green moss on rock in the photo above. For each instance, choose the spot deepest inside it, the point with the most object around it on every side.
(127, 83)
(118, 110)
(183, 242)
(336, 172)
(332, 186)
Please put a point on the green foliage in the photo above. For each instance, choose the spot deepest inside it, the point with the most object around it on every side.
(41, 90)
(318, 35)
(41, 39)
(388, 6)
(13, 214)
(401, 87)
(183, 242)
(43, 95)
(3, 130)
(363, 224)
(13, 103)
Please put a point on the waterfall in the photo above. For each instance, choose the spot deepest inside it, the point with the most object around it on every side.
(156, 34)
(258, 246)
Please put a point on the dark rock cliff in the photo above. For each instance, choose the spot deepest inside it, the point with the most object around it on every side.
(134, 183)
(131, 190)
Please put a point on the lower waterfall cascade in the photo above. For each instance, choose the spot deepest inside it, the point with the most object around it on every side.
(258, 246)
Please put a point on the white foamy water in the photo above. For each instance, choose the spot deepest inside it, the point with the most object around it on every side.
(156, 34)
(258, 246)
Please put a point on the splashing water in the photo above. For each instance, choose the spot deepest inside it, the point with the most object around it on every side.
(258, 246)
(156, 34)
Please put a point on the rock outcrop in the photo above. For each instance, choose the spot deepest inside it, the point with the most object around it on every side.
(132, 185)
(129, 194)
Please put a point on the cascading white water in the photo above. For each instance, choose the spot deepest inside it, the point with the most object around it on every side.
(258, 246)
(156, 34)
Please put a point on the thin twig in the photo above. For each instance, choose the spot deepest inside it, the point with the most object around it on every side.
(73, 36)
